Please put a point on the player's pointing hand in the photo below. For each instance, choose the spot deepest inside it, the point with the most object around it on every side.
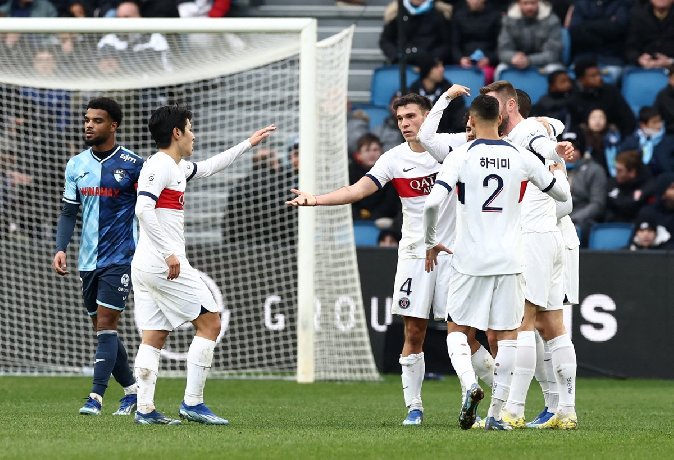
(262, 134)
(302, 199)
(457, 90)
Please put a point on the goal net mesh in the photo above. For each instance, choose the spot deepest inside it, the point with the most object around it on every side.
(239, 233)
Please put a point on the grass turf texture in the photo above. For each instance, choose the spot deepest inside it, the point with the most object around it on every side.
(275, 419)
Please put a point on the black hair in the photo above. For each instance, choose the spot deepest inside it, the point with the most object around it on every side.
(646, 113)
(109, 105)
(524, 103)
(485, 108)
(413, 98)
(582, 66)
(164, 120)
(554, 74)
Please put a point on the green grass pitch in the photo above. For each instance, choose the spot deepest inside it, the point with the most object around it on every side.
(277, 419)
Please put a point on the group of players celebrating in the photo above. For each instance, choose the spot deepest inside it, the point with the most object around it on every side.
(487, 245)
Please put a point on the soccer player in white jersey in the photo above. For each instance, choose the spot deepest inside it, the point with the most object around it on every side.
(486, 291)
(439, 145)
(412, 172)
(544, 291)
(168, 291)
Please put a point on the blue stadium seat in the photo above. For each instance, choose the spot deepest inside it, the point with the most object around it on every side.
(472, 78)
(566, 46)
(377, 114)
(529, 80)
(365, 233)
(640, 86)
(610, 236)
(386, 81)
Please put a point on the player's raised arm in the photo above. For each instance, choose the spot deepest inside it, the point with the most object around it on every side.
(428, 136)
(223, 160)
(348, 194)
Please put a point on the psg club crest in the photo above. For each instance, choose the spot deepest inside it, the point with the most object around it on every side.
(119, 174)
(404, 303)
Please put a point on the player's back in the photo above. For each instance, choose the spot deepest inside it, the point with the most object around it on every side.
(491, 181)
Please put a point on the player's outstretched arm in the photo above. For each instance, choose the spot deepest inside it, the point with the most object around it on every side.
(222, 160)
(428, 135)
(345, 195)
(438, 194)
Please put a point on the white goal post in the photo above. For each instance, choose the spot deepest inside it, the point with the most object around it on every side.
(288, 281)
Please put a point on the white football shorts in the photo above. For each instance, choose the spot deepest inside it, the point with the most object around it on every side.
(163, 305)
(486, 302)
(544, 269)
(572, 275)
(416, 292)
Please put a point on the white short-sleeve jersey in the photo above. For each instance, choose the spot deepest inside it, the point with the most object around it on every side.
(538, 209)
(413, 175)
(490, 178)
(164, 181)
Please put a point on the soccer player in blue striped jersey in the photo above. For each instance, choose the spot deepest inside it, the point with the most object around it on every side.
(103, 180)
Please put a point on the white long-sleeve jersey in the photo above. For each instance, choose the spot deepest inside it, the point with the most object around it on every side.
(490, 177)
(160, 205)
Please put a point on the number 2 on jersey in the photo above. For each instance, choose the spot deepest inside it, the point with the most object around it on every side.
(486, 206)
(407, 286)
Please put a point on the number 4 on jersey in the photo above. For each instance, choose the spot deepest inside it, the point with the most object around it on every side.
(407, 286)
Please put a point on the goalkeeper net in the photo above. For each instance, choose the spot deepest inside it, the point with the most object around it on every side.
(236, 75)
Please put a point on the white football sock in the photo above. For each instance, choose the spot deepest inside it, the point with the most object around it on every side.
(564, 363)
(459, 354)
(503, 368)
(413, 370)
(483, 364)
(131, 389)
(553, 397)
(525, 363)
(146, 367)
(540, 372)
(199, 360)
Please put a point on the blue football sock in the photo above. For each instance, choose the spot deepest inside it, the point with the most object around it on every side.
(106, 356)
(122, 372)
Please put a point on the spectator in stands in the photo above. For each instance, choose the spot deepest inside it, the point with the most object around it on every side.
(159, 9)
(628, 189)
(656, 147)
(28, 9)
(427, 31)
(432, 83)
(388, 133)
(602, 140)
(255, 210)
(588, 186)
(555, 102)
(357, 125)
(204, 8)
(383, 203)
(593, 93)
(664, 102)
(597, 30)
(648, 235)
(475, 30)
(530, 36)
(650, 40)
(142, 53)
(388, 239)
(662, 211)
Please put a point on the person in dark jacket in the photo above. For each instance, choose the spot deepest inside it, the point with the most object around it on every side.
(648, 236)
(597, 30)
(662, 212)
(656, 146)
(432, 83)
(650, 40)
(554, 103)
(594, 93)
(427, 33)
(628, 190)
(475, 30)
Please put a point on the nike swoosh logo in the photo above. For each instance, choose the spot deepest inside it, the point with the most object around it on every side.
(405, 388)
(408, 169)
(179, 182)
(98, 361)
(82, 175)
